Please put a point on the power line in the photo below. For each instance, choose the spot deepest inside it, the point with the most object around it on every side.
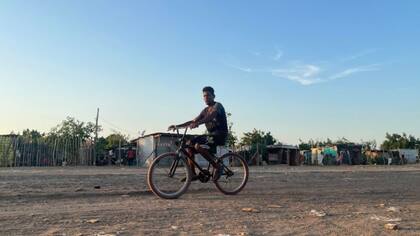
(122, 130)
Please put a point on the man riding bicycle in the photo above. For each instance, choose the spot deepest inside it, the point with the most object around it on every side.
(214, 117)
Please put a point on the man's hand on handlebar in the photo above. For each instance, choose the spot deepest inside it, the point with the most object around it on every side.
(172, 128)
(193, 125)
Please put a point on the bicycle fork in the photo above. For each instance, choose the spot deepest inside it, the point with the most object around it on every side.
(173, 167)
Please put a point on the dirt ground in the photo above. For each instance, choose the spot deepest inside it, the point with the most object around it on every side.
(356, 200)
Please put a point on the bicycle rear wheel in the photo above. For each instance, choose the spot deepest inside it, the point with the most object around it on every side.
(234, 175)
(169, 176)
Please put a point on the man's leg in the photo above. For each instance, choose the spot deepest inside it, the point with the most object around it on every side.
(190, 162)
(190, 153)
(206, 154)
(218, 168)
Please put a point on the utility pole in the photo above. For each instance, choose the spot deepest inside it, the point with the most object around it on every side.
(96, 137)
(119, 151)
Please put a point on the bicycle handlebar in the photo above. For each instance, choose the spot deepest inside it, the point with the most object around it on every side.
(178, 128)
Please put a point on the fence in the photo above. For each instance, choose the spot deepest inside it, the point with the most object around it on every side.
(44, 151)
(18, 150)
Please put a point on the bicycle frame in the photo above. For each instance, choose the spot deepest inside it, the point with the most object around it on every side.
(182, 149)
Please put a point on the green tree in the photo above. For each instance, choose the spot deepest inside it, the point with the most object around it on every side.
(395, 141)
(32, 134)
(257, 137)
(306, 145)
(231, 138)
(369, 145)
(303, 145)
(342, 140)
(113, 140)
(71, 128)
(101, 144)
(258, 140)
(6, 151)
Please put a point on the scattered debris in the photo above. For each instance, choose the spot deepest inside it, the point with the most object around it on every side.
(249, 209)
(92, 221)
(174, 227)
(274, 206)
(358, 213)
(223, 235)
(391, 226)
(242, 234)
(79, 190)
(104, 234)
(386, 219)
(381, 205)
(317, 213)
(393, 209)
(97, 187)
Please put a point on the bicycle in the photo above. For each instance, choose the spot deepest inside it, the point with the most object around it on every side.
(169, 175)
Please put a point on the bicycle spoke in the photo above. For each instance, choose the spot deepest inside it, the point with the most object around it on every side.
(166, 181)
(234, 175)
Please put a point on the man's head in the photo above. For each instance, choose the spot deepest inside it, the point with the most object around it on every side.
(208, 95)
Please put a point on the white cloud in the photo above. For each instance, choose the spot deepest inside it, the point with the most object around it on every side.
(303, 74)
(255, 53)
(348, 72)
(241, 68)
(309, 74)
(359, 54)
(278, 55)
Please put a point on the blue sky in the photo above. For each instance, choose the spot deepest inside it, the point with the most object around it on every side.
(300, 69)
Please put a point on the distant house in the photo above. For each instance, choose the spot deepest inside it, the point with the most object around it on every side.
(152, 145)
(350, 154)
(407, 156)
(380, 157)
(307, 157)
(320, 155)
(283, 154)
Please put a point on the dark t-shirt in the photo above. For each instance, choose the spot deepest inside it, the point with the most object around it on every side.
(218, 125)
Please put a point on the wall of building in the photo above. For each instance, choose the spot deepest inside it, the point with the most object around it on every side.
(410, 155)
(145, 148)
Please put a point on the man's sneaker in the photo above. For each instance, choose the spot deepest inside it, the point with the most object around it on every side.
(194, 178)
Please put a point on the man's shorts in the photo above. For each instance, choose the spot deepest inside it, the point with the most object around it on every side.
(212, 141)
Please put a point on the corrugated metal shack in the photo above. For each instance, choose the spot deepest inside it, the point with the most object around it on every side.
(153, 145)
(379, 157)
(351, 153)
(406, 156)
(283, 154)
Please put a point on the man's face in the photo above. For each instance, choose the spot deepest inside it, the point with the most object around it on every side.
(208, 98)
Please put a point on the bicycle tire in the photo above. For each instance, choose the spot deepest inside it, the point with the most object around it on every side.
(155, 189)
(219, 181)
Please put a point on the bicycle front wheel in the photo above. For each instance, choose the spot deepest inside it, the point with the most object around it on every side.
(233, 174)
(169, 176)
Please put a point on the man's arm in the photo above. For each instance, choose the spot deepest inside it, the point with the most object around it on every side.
(188, 123)
(184, 124)
(209, 116)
